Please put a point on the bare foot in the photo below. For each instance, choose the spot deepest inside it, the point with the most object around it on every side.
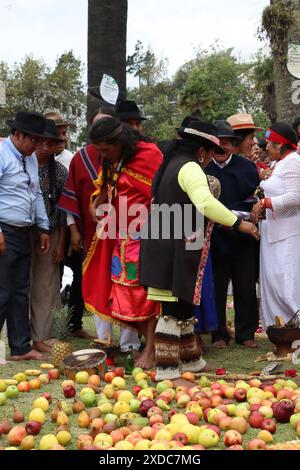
(81, 334)
(221, 344)
(31, 355)
(145, 361)
(51, 341)
(42, 347)
(249, 344)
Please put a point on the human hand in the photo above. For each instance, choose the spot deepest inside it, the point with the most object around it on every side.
(2, 244)
(44, 243)
(249, 229)
(256, 213)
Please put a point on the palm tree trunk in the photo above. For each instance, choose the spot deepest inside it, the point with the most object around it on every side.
(107, 33)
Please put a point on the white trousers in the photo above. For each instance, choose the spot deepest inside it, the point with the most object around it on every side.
(128, 338)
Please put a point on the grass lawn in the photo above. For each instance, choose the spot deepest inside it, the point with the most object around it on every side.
(234, 358)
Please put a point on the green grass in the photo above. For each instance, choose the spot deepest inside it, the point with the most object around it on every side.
(235, 359)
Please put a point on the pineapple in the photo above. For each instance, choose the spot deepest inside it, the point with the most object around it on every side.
(61, 329)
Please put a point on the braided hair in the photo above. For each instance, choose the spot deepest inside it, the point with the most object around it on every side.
(52, 195)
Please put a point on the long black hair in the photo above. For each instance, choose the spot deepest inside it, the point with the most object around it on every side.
(52, 195)
(185, 146)
(128, 138)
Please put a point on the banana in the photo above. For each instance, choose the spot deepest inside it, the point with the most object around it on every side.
(47, 366)
(33, 372)
(11, 382)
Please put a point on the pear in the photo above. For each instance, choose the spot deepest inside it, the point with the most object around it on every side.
(5, 426)
(62, 419)
(18, 416)
(27, 443)
(66, 407)
(95, 413)
(78, 406)
(84, 420)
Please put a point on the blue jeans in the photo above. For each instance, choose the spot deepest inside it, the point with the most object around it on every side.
(14, 289)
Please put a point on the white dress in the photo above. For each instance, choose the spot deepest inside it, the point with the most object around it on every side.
(280, 243)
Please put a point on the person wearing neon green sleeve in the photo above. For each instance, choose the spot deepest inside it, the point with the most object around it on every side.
(173, 254)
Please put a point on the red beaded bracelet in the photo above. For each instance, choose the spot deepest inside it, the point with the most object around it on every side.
(266, 203)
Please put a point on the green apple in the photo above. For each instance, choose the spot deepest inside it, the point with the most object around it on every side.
(208, 438)
(134, 405)
(12, 391)
(135, 371)
(161, 387)
(89, 399)
(204, 382)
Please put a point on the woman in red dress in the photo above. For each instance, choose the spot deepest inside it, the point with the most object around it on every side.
(111, 286)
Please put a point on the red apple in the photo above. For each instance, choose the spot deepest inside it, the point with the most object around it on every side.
(236, 447)
(69, 391)
(232, 438)
(119, 371)
(136, 389)
(240, 394)
(239, 424)
(47, 396)
(171, 413)
(283, 411)
(193, 418)
(213, 428)
(269, 425)
(33, 427)
(145, 406)
(256, 444)
(53, 374)
(255, 407)
(181, 437)
(256, 420)
(205, 413)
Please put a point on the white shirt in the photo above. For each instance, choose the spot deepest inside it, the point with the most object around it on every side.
(64, 158)
(224, 164)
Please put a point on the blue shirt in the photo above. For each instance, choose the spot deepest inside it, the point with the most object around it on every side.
(21, 200)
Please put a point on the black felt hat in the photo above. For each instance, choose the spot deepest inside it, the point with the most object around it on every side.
(198, 130)
(127, 110)
(29, 123)
(224, 129)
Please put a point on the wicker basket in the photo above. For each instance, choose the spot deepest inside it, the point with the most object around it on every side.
(90, 360)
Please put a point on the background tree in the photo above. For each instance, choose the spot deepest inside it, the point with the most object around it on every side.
(32, 86)
(107, 31)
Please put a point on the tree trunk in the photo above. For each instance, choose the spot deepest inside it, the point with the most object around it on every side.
(107, 32)
(287, 87)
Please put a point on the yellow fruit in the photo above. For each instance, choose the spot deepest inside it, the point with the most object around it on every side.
(41, 403)
(37, 415)
(118, 383)
(86, 390)
(126, 396)
(20, 377)
(103, 439)
(11, 382)
(143, 444)
(123, 445)
(3, 385)
(121, 407)
(34, 372)
(47, 366)
(141, 376)
(82, 377)
(48, 441)
(64, 438)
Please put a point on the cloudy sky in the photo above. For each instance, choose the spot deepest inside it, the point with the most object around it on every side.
(172, 28)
